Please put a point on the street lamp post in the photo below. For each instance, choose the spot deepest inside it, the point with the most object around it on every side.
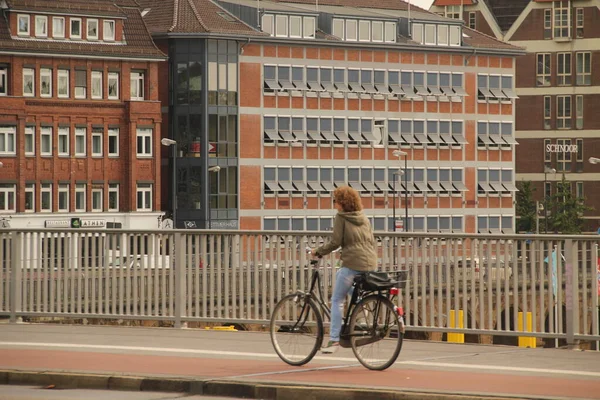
(170, 142)
(215, 168)
(547, 170)
(594, 160)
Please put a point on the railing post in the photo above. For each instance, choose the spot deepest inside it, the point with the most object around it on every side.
(15, 277)
(572, 291)
(178, 263)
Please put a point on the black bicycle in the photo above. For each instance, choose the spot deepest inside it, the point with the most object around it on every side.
(373, 326)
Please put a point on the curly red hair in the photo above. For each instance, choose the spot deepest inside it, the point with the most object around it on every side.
(347, 198)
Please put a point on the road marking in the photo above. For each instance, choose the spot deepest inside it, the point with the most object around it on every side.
(274, 356)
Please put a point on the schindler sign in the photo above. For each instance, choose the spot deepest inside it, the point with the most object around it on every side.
(561, 148)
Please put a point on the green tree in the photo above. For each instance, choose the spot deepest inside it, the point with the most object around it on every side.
(566, 210)
(526, 208)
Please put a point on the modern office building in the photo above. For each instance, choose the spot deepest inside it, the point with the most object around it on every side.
(558, 85)
(80, 119)
(292, 99)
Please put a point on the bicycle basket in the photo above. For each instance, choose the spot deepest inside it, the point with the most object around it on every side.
(401, 277)
(373, 281)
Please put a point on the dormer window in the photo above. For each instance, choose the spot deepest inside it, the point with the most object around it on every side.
(58, 27)
(352, 30)
(364, 31)
(109, 30)
(41, 26)
(281, 25)
(92, 29)
(75, 28)
(293, 26)
(23, 25)
(436, 34)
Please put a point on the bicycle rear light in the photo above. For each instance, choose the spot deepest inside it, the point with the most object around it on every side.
(400, 311)
(394, 291)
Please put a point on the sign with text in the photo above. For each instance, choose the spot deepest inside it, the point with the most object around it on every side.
(561, 148)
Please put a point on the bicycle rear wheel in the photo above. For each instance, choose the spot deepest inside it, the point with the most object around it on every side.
(375, 333)
(296, 329)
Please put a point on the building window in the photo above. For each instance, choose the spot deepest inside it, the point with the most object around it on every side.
(23, 25)
(563, 112)
(144, 197)
(92, 29)
(267, 24)
(109, 30)
(75, 28)
(144, 142)
(562, 19)
(113, 142)
(137, 85)
(564, 69)
(8, 193)
(96, 84)
(377, 34)
(30, 197)
(364, 31)
(80, 195)
(584, 68)
(63, 197)
(351, 30)
(543, 69)
(28, 82)
(430, 34)
(63, 83)
(29, 141)
(390, 32)
(97, 199)
(579, 190)
(97, 142)
(442, 39)
(547, 112)
(113, 197)
(45, 82)
(46, 197)
(472, 20)
(41, 26)
(63, 141)
(579, 111)
(453, 12)
(3, 80)
(338, 28)
(563, 158)
(309, 27)
(223, 188)
(80, 84)
(548, 23)
(579, 143)
(281, 25)
(547, 154)
(579, 22)
(455, 35)
(58, 27)
(46, 141)
(113, 85)
(295, 26)
(7, 140)
(80, 142)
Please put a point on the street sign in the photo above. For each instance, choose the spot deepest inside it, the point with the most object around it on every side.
(399, 225)
(212, 148)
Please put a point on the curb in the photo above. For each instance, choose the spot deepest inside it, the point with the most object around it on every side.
(229, 388)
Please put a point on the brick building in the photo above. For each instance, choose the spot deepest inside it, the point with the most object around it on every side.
(558, 87)
(293, 99)
(79, 115)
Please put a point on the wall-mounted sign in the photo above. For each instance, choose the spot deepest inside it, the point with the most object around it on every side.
(93, 223)
(561, 148)
(75, 223)
(63, 223)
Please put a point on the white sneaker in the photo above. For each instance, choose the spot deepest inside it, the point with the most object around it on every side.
(331, 347)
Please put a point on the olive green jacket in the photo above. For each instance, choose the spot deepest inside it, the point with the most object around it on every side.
(352, 232)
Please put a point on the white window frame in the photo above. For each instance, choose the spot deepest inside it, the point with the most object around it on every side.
(390, 32)
(548, 31)
(8, 191)
(418, 33)
(109, 38)
(137, 85)
(113, 134)
(295, 31)
(454, 36)
(583, 62)
(80, 194)
(97, 139)
(364, 26)
(453, 12)
(338, 27)
(25, 32)
(62, 91)
(579, 22)
(472, 20)
(443, 37)
(30, 135)
(46, 188)
(46, 74)
(63, 189)
(351, 24)
(114, 77)
(281, 24)
(41, 21)
(3, 81)
(88, 24)
(559, 26)
(81, 91)
(58, 34)
(96, 84)
(30, 189)
(268, 24)
(309, 27)
(147, 142)
(579, 111)
(579, 190)
(71, 34)
(46, 132)
(80, 135)
(564, 121)
(8, 139)
(542, 76)
(564, 77)
(97, 197)
(377, 27)
(63, 138)
(144, 189)
(113, 189)
(29, 73)
(430, 34)
(547, 112)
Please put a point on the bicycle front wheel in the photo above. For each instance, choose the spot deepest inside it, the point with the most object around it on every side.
(375, 333)
(296, 329)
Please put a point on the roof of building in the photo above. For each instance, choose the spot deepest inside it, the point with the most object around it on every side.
(139, 43)
(193, 16)
(381, 4)
(506, 12)
(480, 40)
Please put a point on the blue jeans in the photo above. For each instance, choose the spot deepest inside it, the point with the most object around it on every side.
(343, 287)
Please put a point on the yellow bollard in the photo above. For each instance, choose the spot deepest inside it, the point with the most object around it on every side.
(456, 337)
(526, 341)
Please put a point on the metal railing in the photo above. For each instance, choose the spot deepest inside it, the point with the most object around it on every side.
(238, 276)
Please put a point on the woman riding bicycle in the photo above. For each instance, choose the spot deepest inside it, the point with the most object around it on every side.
(352, 232)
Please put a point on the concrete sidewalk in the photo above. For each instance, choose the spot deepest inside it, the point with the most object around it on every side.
(243, 364)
